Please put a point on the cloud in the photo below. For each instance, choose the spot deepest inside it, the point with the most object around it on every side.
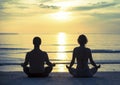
(8, 4)
(45, 0)
(16, 8)
(106, 16)
(98, 5)
(107, 21)
(49, 6)
(3, 15)
(2, 5)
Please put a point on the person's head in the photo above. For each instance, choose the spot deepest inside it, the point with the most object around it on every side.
(82, 39)
(36, 41)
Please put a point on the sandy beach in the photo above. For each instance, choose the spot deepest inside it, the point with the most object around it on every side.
(13, 75)
(62, 78)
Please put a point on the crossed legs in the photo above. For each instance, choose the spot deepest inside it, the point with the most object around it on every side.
(44, 74)
(88, 73)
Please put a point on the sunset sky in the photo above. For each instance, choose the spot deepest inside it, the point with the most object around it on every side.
(42, 16)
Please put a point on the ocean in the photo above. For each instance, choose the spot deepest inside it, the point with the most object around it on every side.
(59, 46)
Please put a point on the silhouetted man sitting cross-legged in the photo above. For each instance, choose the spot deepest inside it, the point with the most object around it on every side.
(36, 60)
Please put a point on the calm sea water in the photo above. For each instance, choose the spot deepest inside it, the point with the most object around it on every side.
(59, 46)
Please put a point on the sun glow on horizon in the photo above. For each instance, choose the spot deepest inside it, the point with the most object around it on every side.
(61, 15)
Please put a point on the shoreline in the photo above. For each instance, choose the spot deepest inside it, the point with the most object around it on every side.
(63, 62)
(62, 68)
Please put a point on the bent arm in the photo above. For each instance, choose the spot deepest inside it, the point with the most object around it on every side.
(48, 61)
(26, 61)
(91, 59)
(73, 59)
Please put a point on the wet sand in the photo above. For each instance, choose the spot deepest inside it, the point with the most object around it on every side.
(59, 78)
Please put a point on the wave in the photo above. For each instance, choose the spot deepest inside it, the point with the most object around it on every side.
(68, 62)
(59, 44)
(70, 51)
(105, 51)
(93, 51)
(7, 44)
(44, 44)
(9, 33)
(14, 48)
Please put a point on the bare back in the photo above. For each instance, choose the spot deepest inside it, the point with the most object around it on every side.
(82, 55)
(36, 59)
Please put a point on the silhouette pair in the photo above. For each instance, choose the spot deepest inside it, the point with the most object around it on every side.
(37, 58)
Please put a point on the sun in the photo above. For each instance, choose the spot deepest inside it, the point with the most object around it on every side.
(61, 15)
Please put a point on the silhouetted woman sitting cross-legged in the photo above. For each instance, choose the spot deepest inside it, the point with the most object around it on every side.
(82, 54)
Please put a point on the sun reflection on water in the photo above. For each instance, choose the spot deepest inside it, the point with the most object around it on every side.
(61, 47)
